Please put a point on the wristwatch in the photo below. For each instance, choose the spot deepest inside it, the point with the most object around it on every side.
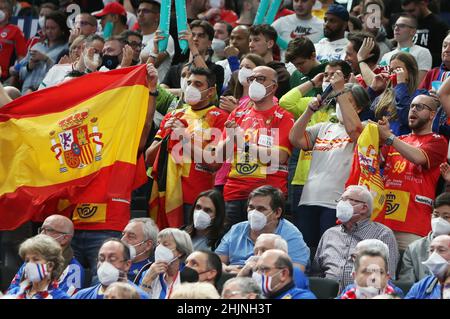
(156, 93)
(390, 140)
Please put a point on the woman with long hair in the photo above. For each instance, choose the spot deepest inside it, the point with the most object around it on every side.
(206, 220)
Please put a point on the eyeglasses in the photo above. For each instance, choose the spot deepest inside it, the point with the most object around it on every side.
(420, 106)
(401, 26)
(350, 199)
(49, 230)
(260, 79)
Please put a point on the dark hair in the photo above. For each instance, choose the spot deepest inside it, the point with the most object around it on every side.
(210, 76)
(345, 67)
(406, 2)
(300, 47)
(229, 26)
(126, 248)
(153, 2)
(283, 261)
(216, 229)
(125, 34)
(119, 38)
(276, 196)
(49, 5)
(266, 30)
(258, 60)
(357, 24)
(205, 25)
(441, 200)
(413, 19)
(357, 38)
(213, 262)
(60, 19)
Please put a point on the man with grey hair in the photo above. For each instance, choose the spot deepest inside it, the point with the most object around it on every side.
(333, 257)
(370, 275)
(241, 288)
(141, 235)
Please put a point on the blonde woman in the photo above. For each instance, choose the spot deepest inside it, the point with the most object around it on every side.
(44, 264)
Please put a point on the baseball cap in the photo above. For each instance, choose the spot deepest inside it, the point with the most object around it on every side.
(338, 11)
(112, 8)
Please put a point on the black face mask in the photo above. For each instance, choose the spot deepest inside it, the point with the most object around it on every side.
(110, 61)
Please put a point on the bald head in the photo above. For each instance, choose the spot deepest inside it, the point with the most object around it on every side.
(429, 100)
(268, 72)
(441, 245)
(276, 258)
(60, 228)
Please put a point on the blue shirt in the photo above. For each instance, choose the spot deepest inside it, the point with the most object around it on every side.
(420, 289)
(70, 281)
(238, 246)
(300, 279)
(94, 292)
(292, 292)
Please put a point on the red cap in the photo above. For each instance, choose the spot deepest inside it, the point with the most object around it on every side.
(112, 8)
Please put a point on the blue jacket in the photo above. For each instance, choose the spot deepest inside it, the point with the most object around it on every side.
(93, 292)
(292, 292)
(427, 288)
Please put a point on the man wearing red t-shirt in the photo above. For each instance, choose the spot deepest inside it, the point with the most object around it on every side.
(12, 40)
(201, 124)
(261, 130)
(411, 172)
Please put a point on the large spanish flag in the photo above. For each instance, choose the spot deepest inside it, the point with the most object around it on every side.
(72, 144)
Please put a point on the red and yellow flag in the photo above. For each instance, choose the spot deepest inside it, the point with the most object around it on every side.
(71, 144)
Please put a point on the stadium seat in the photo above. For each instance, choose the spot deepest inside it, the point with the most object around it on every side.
(323, 288)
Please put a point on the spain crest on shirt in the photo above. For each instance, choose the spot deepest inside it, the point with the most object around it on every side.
(78, 143)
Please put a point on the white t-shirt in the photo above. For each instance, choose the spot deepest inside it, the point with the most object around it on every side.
(55, 75)
(147, 40)
(291, 27)
(327, 50)
(421, 54)
(332, 157)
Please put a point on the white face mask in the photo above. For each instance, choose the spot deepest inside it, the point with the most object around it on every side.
(202, 220)
(257, 220)
(325, 85)
(366, 292)
(36, 272)
(339, 113)
(164, 254)
(436, 264)
(2, 15)
(218, 45)
(192, 95)
(243, 74)
(41, 22)
(264, 281)
(133, 250)
(344, 211)
(183, 84)
(107, 273)
(257, 91)
(440, 226)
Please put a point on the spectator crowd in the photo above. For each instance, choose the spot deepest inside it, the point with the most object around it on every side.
(314, 150)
